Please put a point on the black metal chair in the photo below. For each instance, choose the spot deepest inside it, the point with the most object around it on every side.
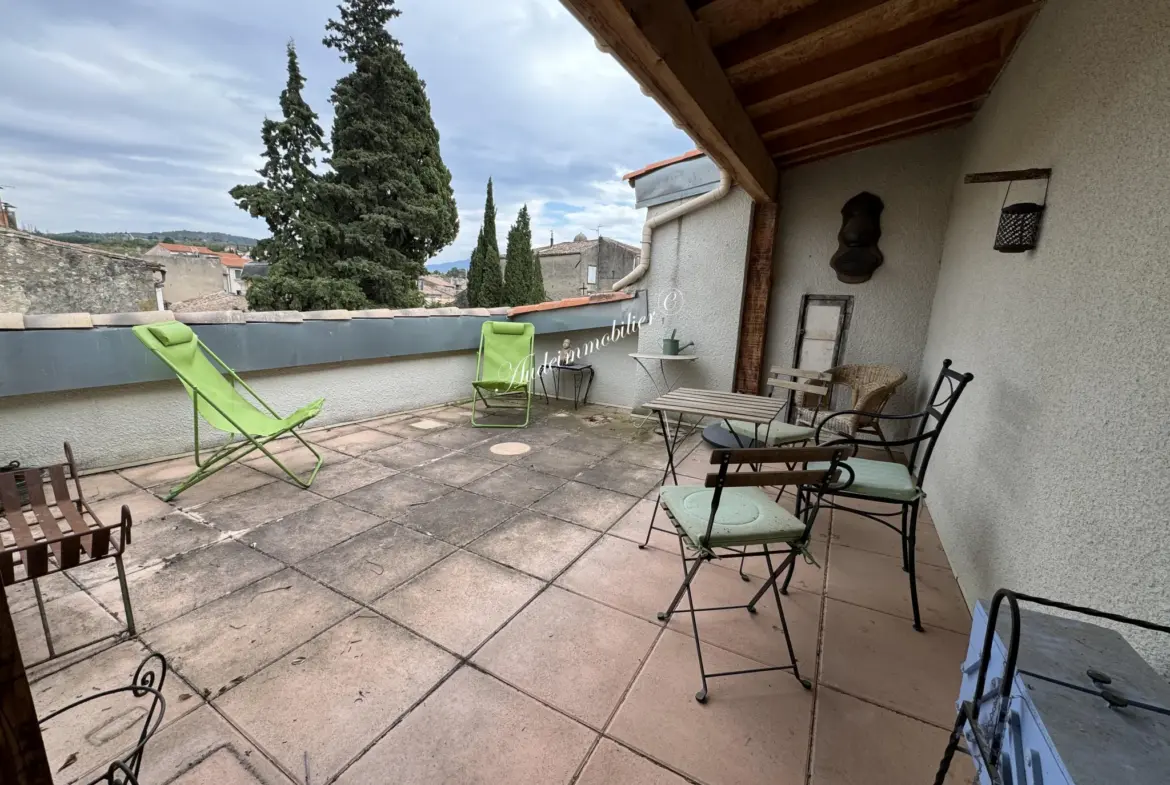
(731, 512)
(148, 681)
(896, 483)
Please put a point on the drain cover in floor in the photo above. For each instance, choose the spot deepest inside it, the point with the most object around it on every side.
(510, 448)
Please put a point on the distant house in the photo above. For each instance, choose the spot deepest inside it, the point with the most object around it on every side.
(195, 270)
(584, 266)
(439, 289)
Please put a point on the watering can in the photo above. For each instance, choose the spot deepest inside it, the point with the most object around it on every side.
(670, 345)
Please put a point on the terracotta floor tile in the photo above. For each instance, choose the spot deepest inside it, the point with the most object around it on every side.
(456, 469)
(806, 577)
(753, 730)
(375, 561)
(758, 635)
(203, 749)
(585, 505)
(535, 544)
(572, 653)
(247, 510)
(351, 683)
(559, 461)
(611, 763)
(226, 482)
(334, 479)
(881, 658)
(458, 517)
(856, 531)
(406, 455)
(634, 524)
(394, 495)
(621, 477)
(360, 441)
(858, 743)
(619, 574)
(300, 535)
(180, 585)
(475, 730)
(228, 640)
(74, 620)
(516, 485)
(460, 601)
(651, 453)
(878, 582)
(106, 727)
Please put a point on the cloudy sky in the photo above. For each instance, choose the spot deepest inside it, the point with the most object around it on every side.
(139, 115)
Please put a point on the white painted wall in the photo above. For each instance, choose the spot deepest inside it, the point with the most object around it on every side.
(695, 284)
(891, 311)
(1054, 474)
(135, 423)
(614, 370)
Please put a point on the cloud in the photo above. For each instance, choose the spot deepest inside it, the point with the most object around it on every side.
(142, 114)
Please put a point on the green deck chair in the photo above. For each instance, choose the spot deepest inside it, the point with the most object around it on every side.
(217, 401)
(504, 370)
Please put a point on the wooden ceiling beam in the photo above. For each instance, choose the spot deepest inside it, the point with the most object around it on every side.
(778, 33)
(954, 23)
(877, 134)
(966, 91)
(883, 136)
(663, 48)
(937, 72)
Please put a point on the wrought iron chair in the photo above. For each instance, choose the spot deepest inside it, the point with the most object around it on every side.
(871, 387)
(148, 681)
(39, 536)
(893, 482)
(731, 512)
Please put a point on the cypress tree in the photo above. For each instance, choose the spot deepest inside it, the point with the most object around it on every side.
(390, 192)
(485, 283)
(519, 285)
(299, 275)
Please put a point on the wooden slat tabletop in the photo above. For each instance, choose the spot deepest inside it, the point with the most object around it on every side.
(711, 403)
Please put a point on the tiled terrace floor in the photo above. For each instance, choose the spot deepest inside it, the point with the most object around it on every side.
(435, 612)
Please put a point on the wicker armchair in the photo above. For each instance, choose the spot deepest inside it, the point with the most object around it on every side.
(871, 387)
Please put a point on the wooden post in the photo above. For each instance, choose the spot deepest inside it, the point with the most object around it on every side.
(757, 290)
(22, 750)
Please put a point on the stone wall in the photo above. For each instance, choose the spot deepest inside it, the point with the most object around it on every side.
(191, 276)
(38, 275)
(565, 273)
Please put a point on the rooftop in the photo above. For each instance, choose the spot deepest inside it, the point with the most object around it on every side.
(577, 246)
(453, 612)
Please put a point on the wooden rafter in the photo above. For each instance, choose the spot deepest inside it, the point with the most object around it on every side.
(779, 33)
(951, 25)
(935, 121)
(661, 45)
(961, 93)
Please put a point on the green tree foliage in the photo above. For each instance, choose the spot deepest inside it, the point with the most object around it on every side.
(485, 280)
(389, 194)
(523, 282)
(287, 198)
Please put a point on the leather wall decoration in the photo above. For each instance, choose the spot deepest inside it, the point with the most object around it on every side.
(858, 254)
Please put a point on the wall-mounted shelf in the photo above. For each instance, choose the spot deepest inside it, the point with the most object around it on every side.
(1008, 177)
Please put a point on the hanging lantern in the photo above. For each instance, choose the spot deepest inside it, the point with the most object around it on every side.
(1019, 224)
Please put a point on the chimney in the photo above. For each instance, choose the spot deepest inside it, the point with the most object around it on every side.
(550, 238)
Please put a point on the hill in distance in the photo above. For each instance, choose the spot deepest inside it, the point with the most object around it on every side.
(443, 267)
(185, 236)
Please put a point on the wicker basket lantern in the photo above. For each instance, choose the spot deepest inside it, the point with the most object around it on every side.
(1019, 225)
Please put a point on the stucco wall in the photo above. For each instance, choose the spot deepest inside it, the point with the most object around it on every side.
(695, 284)
(112, 425)
(891, 311)
(1053, 474)
(38, 275)
(614, 371)
(191, 276)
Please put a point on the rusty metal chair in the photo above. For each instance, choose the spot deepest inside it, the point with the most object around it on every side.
(43, 533)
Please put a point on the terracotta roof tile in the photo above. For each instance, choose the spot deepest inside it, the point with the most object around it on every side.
(571, 302)
(631, 176)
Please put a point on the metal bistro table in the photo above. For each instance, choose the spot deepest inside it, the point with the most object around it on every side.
(755, 409)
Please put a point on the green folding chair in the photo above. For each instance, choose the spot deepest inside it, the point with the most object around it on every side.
(217, 401)
(504, 370)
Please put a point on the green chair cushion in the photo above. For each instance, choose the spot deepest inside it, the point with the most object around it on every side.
(746, 516)
(880, 479)
(172, 333)
(507, 328)
(777, 433)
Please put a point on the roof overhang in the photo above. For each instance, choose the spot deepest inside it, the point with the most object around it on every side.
(761, 85)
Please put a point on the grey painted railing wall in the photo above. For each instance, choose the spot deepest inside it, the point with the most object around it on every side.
(42, 361)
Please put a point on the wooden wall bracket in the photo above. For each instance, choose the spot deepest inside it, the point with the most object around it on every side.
(1011, 176)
